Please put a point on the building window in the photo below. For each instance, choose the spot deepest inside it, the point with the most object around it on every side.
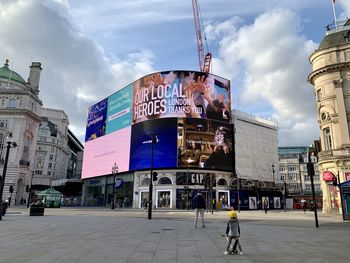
(292, 177)
(26, 145)
(50, 165)
(292, 169)
(282, 177)
(12, 103)
(51, 157)
(319, 94)
(3, 123)
(327, 139)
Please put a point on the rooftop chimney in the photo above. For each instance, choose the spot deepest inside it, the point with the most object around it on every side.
(34, 76)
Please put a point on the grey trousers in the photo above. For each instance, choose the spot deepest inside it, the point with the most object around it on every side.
(229, 241)
(201, 212)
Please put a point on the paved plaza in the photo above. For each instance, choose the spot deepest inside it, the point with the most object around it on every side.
(89, 235)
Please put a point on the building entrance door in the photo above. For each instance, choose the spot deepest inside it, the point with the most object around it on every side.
(224, 200)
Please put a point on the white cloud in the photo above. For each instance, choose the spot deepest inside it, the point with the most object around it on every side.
(345, 4)
(272, 55)
(76, 71)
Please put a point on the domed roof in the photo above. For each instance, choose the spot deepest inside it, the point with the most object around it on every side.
(7, 73)
(338, 37)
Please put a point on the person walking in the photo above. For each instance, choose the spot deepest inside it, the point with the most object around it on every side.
(266, 205)
(199, 207)
(233, 232)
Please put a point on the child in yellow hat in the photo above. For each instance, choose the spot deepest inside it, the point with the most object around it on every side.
(233, 232)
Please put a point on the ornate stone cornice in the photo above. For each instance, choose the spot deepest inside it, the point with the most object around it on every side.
(327, 69)
(18, 112)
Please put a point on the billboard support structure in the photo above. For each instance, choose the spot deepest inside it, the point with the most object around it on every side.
(150, 191)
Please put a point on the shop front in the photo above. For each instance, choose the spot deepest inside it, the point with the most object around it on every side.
(345, 198)
(103, 191)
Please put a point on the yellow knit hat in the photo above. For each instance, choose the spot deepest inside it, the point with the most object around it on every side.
(232, 214)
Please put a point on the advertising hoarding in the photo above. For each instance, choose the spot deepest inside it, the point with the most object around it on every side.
(121, 123)
(96, 121)
(102, 153)
(204, 144)
(164, 149)
(181, 94)
(119, 110)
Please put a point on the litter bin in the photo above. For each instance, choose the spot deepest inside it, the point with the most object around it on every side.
(37, 209)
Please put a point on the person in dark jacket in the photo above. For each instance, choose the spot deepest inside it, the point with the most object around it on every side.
(199, 207)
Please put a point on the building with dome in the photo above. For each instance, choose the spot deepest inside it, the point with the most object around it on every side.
(20, 109)
(47, 153)
(330, 77)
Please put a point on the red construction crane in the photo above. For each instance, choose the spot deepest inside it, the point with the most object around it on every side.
(204, 61)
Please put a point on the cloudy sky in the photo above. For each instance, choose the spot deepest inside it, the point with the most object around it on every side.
(90, 49)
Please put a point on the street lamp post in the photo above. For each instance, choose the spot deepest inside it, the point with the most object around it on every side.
(2, 180)
(114, 172)
(311, 172)
(285, 195)
(273, 173)
(150, 190)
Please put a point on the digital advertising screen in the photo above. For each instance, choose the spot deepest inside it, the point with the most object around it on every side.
(101, 154)
(96, 121)
(181, 94)
(165, 148)
(119, 110)
(188, 111)
(204, 144)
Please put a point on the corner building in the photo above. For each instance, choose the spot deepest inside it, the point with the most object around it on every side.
(188, 115)
(331, 79)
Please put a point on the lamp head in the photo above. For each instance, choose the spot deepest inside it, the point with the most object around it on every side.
(14, 144)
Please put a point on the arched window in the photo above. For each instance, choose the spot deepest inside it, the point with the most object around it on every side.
(164, 180)
(222, 182)
(327, 137)
(145, 182)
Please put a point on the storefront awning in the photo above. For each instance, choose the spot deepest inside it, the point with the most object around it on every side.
(328, 176)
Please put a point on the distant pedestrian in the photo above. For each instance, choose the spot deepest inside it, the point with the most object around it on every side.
(304, 207)
(199, 207)
(266, 205)
(233, 232)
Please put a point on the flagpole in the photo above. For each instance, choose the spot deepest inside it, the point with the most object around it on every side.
(335, 17)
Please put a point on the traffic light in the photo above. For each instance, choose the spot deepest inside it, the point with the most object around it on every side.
(11, 189)
(154, 176)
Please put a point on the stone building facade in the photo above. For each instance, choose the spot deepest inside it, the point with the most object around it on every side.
(330, 77)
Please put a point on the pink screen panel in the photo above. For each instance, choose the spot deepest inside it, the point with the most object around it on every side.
(102, 153)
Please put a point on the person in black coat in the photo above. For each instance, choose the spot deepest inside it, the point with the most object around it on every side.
(199, 207)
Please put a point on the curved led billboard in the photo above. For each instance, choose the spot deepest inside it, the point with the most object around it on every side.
(188, 111)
